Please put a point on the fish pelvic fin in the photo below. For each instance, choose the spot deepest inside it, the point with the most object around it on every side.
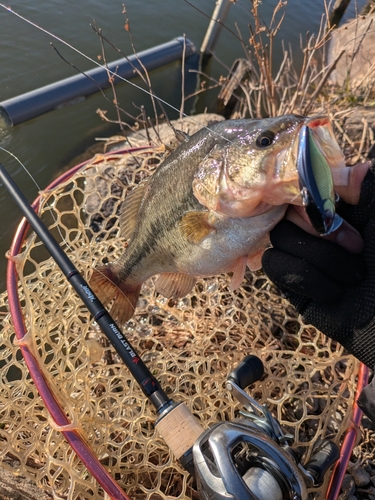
(110, 289)
(130, 209)
(195, 226)
(174, 285)
(254, 261)
(239, 270)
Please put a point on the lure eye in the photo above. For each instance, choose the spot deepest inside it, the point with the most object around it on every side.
(265, 139)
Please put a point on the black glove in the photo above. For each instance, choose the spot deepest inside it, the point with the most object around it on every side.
(331, 288)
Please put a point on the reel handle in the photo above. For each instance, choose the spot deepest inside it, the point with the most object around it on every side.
(250, 370)
(323, 457)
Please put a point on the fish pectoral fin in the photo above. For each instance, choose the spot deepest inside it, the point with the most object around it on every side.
(130, 208)
(110, 289)
(239, 270)
(254, 261)
(195, 226)
(174, 285)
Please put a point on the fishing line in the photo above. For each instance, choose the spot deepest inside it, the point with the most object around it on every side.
(113, 73)
(65, 242)
(22, 165)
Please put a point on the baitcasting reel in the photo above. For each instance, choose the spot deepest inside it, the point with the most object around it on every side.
(251, 458)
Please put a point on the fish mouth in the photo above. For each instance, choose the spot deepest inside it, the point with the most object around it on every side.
(315, 181)
(324, 138)
(283, 184)
(286, 186)
(233, 184)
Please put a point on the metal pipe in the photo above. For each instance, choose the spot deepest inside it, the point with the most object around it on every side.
(214, 28)
(36, 102)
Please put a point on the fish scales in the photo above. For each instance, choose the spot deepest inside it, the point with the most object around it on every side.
(208, 208)
(164, 208)
(166, 204)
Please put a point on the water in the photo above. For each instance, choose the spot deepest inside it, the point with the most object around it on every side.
(27, 61)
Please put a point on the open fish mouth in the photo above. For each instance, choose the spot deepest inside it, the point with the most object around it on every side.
(314, 153)
(261, 170)
(324, 138)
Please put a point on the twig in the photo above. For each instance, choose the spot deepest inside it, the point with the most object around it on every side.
(371, 137)
(344, 134)
(102, 114)
(200, 91)
(360, 43)
(363, 138)
(98, 86)
(205, 75)
(281, 69)
(79, 71)
(143, 75)
(369, 71)
(145, 72)
(111, 81)
(323, 82)
(183, 79)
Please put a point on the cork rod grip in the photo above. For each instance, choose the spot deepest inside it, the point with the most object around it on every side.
(179, 429)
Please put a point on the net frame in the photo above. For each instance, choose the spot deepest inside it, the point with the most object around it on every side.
(57, 413)
(74, 439)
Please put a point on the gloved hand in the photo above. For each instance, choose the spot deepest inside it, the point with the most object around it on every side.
(331, 288)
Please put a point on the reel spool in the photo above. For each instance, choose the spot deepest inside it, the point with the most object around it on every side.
(251, 458)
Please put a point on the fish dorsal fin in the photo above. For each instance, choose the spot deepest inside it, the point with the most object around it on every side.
(130, 208)
(181, 136)
(195, 226)
(174, 285)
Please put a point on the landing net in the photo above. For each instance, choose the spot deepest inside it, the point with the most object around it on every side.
(189, 345)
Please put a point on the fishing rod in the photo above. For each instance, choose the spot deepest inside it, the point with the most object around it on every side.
(181, 439)
(248, 458)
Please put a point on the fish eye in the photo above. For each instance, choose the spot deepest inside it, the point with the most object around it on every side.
(265, 139)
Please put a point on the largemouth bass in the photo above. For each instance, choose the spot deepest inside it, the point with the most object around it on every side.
(209, 207)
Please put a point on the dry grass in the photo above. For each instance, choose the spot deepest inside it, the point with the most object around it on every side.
(269, 88)
(273, 90)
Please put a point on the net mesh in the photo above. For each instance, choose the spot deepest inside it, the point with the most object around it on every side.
(189, 345)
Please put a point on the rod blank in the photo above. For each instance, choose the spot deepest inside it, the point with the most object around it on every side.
(149, 385)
